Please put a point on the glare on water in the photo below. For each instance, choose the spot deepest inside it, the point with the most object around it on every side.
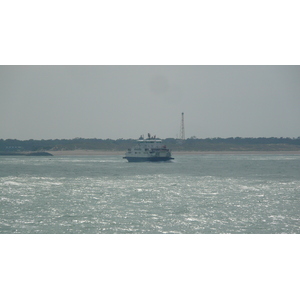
(194, 194)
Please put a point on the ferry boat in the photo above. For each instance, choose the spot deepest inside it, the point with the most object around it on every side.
(150, 149)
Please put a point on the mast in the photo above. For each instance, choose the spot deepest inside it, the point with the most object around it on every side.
(182, 133)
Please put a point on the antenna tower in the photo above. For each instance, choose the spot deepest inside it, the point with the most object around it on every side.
(182, 134)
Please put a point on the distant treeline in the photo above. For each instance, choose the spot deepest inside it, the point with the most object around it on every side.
(191, 144)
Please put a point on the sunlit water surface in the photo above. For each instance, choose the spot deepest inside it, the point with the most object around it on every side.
(193, 194)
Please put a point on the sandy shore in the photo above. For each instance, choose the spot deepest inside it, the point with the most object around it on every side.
(174, 153)
(237, 152)
(86, 152)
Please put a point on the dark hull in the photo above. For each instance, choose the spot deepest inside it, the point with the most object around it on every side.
(153, 159)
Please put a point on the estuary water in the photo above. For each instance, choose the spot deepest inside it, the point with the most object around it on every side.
(194, 194)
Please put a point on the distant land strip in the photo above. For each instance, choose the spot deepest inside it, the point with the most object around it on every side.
(192, 144)
(21, 153)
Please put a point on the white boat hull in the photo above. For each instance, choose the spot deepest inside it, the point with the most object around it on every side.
(152, 159)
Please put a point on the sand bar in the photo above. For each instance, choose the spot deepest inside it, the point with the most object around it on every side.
(237, 152)
(85, 152)
(174, 153)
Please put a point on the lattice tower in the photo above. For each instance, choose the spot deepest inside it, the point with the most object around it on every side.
(182, 133)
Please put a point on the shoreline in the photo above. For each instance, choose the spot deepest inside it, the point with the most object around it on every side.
(102, 152)
(237, 152)
(85, 152)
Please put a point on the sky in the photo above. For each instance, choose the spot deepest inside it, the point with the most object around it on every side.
(56, 102)
(89, 70)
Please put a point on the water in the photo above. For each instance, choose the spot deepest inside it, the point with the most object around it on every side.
(193, 194)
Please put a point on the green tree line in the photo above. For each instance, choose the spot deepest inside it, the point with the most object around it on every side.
(190, 144)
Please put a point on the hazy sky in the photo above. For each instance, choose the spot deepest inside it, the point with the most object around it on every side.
(49, 102)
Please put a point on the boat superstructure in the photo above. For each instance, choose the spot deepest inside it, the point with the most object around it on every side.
(150, 149)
